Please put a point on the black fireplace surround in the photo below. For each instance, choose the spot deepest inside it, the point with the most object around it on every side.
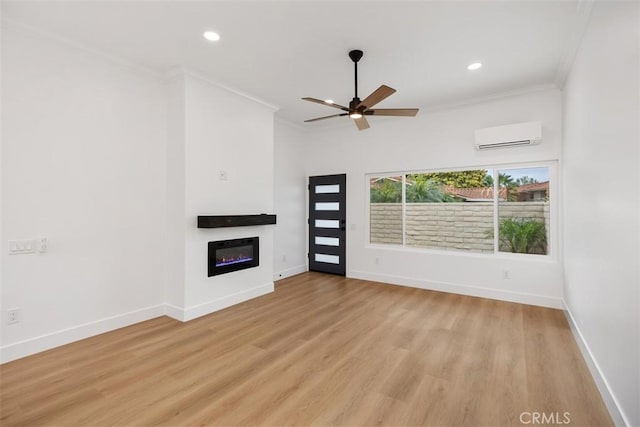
(226, 256)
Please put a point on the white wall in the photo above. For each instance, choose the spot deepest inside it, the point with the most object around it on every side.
(290, 181)
(601, 203)
(113, 164)
(174, 295)
(218, 138)
(82, 164)
(2, 236)
(433, 141)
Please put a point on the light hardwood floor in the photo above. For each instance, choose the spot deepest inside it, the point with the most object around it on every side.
(320, 350)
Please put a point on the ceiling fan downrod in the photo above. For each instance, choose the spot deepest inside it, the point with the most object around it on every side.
(355, 56)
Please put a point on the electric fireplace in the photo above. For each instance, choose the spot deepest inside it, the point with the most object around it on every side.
(226, 256)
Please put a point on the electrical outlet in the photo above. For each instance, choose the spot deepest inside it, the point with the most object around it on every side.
(223, 175)
(18, 247)
(13, 315)
(376, 260)
(284, 258)
(506, 274)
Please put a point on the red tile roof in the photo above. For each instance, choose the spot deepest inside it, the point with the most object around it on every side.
(538, 186)
(475, 193)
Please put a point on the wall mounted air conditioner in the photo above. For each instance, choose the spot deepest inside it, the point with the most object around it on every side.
(529, 133)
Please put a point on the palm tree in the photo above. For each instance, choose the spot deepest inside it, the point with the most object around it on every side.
(523, 180)
(506, 181)
(420, 189)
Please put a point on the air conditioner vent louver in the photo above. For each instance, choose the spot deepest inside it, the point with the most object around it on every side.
(508, 136)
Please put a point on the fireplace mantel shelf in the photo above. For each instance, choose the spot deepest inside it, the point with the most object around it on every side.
(218, 221)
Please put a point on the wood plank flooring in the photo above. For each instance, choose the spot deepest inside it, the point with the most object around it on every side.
(320, 350)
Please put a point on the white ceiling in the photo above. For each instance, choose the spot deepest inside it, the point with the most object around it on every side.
(280, 51)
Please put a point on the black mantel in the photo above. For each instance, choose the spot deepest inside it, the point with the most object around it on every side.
(218, 221)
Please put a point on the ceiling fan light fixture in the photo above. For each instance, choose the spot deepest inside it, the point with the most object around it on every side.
(211, 36)
(355, 115)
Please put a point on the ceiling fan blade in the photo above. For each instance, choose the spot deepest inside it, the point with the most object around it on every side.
(326, 117)
(361, 123)
(319, 101)
(378, 95)
(409, 112)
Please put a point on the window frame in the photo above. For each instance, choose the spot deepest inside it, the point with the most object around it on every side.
(494, 168)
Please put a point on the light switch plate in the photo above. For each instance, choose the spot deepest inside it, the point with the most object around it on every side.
(43, 244)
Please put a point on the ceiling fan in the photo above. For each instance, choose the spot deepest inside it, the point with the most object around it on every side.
(357, 110)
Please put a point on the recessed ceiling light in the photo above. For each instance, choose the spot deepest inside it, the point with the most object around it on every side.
(211, 36)
(474, 66)
(328, 101)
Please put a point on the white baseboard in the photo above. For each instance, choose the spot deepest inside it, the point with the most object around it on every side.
(608, 397)
(190, 313)
(174, 312)
(290, 272)
(55, 339)
(474, 291)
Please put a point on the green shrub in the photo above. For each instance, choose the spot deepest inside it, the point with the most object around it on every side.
(522, 235)
(386, 191)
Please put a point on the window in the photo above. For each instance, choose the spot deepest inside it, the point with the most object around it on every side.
(449, 210)
(386, 210)
(462, 210)
(523, 214)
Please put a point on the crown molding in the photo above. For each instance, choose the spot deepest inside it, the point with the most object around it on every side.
(579, 27)
(291, 124)
(87, 48)
(459, 104)
(129, 65)
(179, 70)
(491, 97)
